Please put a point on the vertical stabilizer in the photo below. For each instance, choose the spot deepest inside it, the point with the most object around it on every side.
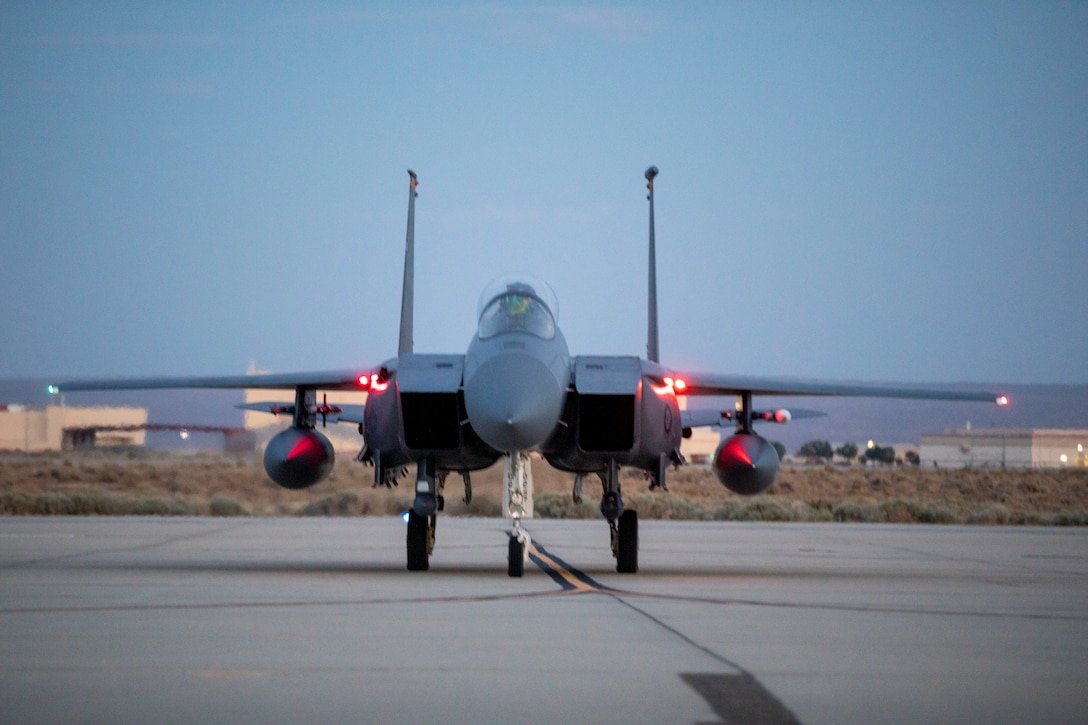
(651, 320)
(407, 312)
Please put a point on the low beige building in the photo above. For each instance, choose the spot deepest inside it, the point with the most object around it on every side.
(57, 427)
(700, 448)
(1004, 448)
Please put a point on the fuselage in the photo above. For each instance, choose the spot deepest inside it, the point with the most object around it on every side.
(517, 368)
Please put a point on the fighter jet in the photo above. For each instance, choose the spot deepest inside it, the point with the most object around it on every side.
(516, 391)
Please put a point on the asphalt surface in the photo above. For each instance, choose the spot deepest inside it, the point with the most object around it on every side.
(287, 620)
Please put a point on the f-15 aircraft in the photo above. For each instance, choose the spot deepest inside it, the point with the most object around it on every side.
(517, 390)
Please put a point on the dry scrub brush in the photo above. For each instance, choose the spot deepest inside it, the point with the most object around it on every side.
(157, 484)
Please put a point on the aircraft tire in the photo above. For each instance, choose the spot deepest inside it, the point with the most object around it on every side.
(515, 559)
(418, 559)
(627, 543)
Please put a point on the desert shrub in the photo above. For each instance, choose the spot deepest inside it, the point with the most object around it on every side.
(108, 475)
(724, 510)
(562, 506)
(160, 507)
(822, 508)
(222, 506)
(804, 511)
(484, 505)
(76, 504)
(991, 514)
(342, 503)
(16, 503)
(1072, 518)
(936, 515)
(668, 508)
(368, 505)
(851, 512)
(761, 509)
(908, 512)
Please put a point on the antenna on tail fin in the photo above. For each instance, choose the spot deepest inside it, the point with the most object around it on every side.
(651, 323)
(408, 288)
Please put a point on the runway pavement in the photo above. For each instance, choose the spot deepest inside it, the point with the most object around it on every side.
(286, 620)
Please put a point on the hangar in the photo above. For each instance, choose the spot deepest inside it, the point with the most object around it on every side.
(56, 427)
(1004, 448)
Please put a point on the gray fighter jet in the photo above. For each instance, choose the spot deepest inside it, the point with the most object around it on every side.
(517, 390)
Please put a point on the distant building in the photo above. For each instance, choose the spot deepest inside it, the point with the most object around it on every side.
(57, 428)
(1005, 448)
(700, 447)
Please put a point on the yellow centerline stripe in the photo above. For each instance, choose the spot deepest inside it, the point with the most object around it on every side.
(577, 585)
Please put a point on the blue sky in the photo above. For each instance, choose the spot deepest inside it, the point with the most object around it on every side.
(885, 191)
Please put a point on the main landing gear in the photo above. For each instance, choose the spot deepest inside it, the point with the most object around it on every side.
(420, 541)
(623, 524)
(423, 517)
(625, 542)
(518, 491)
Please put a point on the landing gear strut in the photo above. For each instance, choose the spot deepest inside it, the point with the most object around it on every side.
(623, 524)
(518, 505)
(611, 499)
(423, 518)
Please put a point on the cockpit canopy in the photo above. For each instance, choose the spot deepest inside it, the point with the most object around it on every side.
(517, 304)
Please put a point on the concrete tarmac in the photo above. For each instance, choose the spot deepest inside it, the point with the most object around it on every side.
(164, 620)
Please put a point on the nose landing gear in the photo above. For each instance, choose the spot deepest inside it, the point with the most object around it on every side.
(518, 505)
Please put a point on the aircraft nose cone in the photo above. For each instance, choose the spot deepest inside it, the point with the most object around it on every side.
(513, 402)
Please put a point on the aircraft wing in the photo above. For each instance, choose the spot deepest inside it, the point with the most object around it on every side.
(324, 380)
(718, 384)
(351, 414)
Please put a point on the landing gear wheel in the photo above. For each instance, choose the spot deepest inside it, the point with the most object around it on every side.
(515, 559)
(418, 542)
(627, 543)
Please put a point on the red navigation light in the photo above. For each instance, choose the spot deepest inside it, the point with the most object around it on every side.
(1002, 400)
(670, 386)
(372, 382)
(665, 389)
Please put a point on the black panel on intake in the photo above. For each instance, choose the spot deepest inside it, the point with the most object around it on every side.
(430, 420)
(606, 422)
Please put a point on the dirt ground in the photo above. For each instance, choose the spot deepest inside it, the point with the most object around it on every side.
(144, 483)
